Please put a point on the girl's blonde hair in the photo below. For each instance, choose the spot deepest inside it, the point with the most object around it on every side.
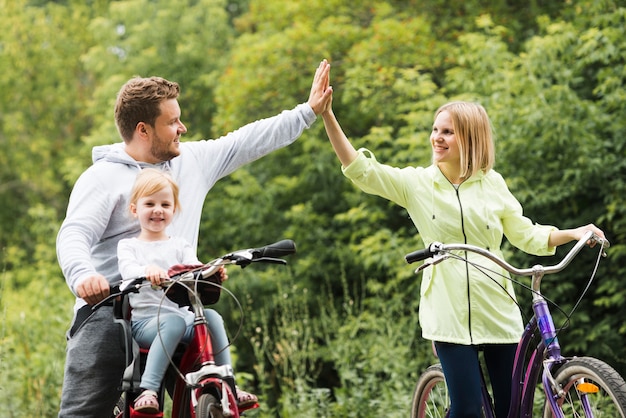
(150, 181)
(474, 136)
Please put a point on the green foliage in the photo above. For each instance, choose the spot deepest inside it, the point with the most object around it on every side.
(330, 351)
(183, 42)
(35, 311)
(336, 333)
(43, 90)
(32, 344)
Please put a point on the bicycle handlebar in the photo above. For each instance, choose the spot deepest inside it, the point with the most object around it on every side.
(438, 252)
(270, 253)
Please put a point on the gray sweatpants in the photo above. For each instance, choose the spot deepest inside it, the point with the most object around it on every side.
(94, 365)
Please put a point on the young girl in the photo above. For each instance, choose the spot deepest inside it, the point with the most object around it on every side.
(460, 198)
(154, 202)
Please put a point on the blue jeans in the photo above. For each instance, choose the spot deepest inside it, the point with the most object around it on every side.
(171, 331)
(461, 369)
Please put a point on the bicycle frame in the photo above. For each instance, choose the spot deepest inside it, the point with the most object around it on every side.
(202, 374)
(523, 387)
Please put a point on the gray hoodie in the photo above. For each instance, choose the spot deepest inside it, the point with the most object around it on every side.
(98, 210)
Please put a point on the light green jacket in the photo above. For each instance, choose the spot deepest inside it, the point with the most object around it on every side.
(458, 303)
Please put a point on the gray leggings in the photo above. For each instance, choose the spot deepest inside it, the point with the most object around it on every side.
(94, 364)
(171, 331)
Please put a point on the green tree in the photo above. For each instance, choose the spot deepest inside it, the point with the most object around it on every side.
(44, 89)
(41, 109)
(335, 333)
(556, 135)
(389, 75)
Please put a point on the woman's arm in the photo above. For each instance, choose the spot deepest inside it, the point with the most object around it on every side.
(342, 146)
(563, 236)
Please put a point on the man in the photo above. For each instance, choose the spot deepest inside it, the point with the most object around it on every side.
(148, 118)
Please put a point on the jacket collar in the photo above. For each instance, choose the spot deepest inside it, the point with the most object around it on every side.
(439, 178)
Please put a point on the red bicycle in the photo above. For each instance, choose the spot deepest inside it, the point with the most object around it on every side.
(199, 388)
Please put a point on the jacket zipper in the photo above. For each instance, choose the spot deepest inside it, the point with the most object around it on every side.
(467, 281)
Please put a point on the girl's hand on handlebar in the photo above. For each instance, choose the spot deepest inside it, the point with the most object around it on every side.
(222, 274)
(156, 275)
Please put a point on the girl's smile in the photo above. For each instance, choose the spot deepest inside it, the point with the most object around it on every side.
(154, 212)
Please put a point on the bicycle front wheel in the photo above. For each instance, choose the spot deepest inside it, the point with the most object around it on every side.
(430, 398)
(592, 389)
(208, 407)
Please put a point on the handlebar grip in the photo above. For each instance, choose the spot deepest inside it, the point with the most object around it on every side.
(119, 289)
(419, 255)
(276, 250)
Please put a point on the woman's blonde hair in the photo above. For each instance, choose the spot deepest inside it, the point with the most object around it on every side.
(150, 181)
(474, 136)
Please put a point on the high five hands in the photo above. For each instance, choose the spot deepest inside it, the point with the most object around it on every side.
(321, 95)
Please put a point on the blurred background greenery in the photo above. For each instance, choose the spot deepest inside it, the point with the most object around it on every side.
(334, 334)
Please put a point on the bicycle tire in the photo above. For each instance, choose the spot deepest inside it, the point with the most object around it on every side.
(430, 398)
(208, 407)
(608, 402)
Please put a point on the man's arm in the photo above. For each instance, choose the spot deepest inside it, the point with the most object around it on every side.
(259, 138)
(85, 222)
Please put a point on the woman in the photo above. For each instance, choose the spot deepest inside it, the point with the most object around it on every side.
(460, 198)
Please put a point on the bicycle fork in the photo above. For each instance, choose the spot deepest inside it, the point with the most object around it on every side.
(208, 376)
(218, 377)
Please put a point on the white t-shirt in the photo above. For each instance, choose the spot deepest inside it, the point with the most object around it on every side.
(135, 255)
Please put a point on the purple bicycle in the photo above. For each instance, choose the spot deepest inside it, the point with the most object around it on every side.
(568, 386)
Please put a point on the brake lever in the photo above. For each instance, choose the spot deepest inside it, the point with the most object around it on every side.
(270, 260)
(132, 284)
(245, 258)
(116, 291)
(240, 257)
(603, 242)
(435, 259)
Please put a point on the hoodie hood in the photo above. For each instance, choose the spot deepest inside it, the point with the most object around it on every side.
(116, 153)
